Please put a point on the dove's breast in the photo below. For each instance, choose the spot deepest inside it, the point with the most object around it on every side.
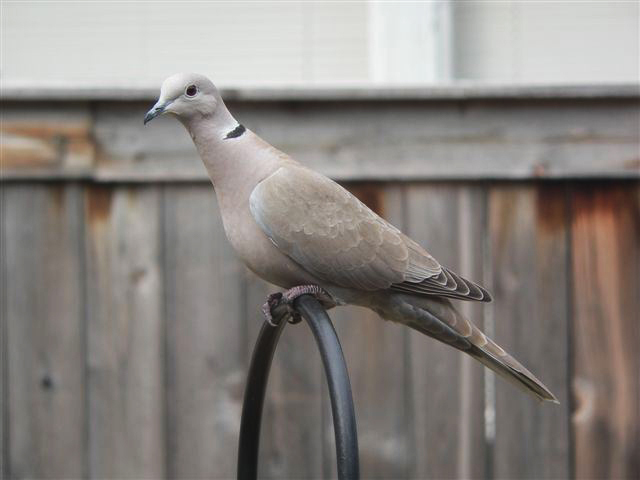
(257, 251)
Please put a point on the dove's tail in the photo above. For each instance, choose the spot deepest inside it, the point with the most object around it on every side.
(437, 318)
(511, 370)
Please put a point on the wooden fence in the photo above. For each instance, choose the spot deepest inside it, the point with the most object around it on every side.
(127, 324)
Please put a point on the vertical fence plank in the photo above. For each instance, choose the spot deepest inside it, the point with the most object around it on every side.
(528, 242)
(4, 372)
(606, 330)
(375, 355)
(125, 332)
(447, 390)
(42, 263)
(205, 337)
(291, 437)
(471, 246)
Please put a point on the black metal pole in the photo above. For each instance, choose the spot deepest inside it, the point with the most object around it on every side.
(344, 421)
(250, 420)
(344, 417)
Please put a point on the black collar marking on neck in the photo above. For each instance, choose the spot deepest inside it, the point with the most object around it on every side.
(236, 132)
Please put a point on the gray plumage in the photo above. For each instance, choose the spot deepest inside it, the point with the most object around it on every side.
(293, 226)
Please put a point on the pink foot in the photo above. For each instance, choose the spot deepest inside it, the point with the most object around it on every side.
(275, 299)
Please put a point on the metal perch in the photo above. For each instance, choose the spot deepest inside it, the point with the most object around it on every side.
(344, 421)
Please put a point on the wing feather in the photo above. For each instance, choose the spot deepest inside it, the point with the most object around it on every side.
(338, 239)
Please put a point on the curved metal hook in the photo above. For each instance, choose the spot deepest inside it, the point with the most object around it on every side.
(344, 420)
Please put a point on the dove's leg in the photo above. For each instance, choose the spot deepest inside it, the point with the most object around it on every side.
(275, 299)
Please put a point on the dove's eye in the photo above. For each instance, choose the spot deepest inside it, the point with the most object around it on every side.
(191, 91)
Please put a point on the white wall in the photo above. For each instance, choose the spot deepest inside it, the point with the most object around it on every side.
(139, 43)
(547, 41)
(136, 42)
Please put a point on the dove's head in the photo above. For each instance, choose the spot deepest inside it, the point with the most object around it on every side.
(186, 95)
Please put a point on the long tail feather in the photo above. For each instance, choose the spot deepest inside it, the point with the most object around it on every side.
(512, 371)
(438, 319)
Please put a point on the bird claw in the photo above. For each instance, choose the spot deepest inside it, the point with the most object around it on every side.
(273, 300)
(276, 299)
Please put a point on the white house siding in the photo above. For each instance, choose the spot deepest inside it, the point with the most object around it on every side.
(542, 41)
(107, 43)
(101, 43)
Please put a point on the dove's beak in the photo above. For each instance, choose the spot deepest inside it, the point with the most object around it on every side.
(157, 109)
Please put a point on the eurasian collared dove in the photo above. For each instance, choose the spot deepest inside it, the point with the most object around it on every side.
(300, 230)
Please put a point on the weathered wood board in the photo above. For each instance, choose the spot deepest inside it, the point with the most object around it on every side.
(43, 310)
(605, 240)
(531, 313)
(125, 332)
(4, 383)
(205, 337)
(45, 140)
(423, 139)
(447, 396)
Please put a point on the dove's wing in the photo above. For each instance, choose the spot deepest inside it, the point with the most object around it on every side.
(338, 239)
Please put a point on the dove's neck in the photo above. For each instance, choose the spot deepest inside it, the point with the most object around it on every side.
(206, 131)
(235, 158)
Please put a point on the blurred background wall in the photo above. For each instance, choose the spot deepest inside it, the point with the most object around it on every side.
(310, 43)
(503, 136)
